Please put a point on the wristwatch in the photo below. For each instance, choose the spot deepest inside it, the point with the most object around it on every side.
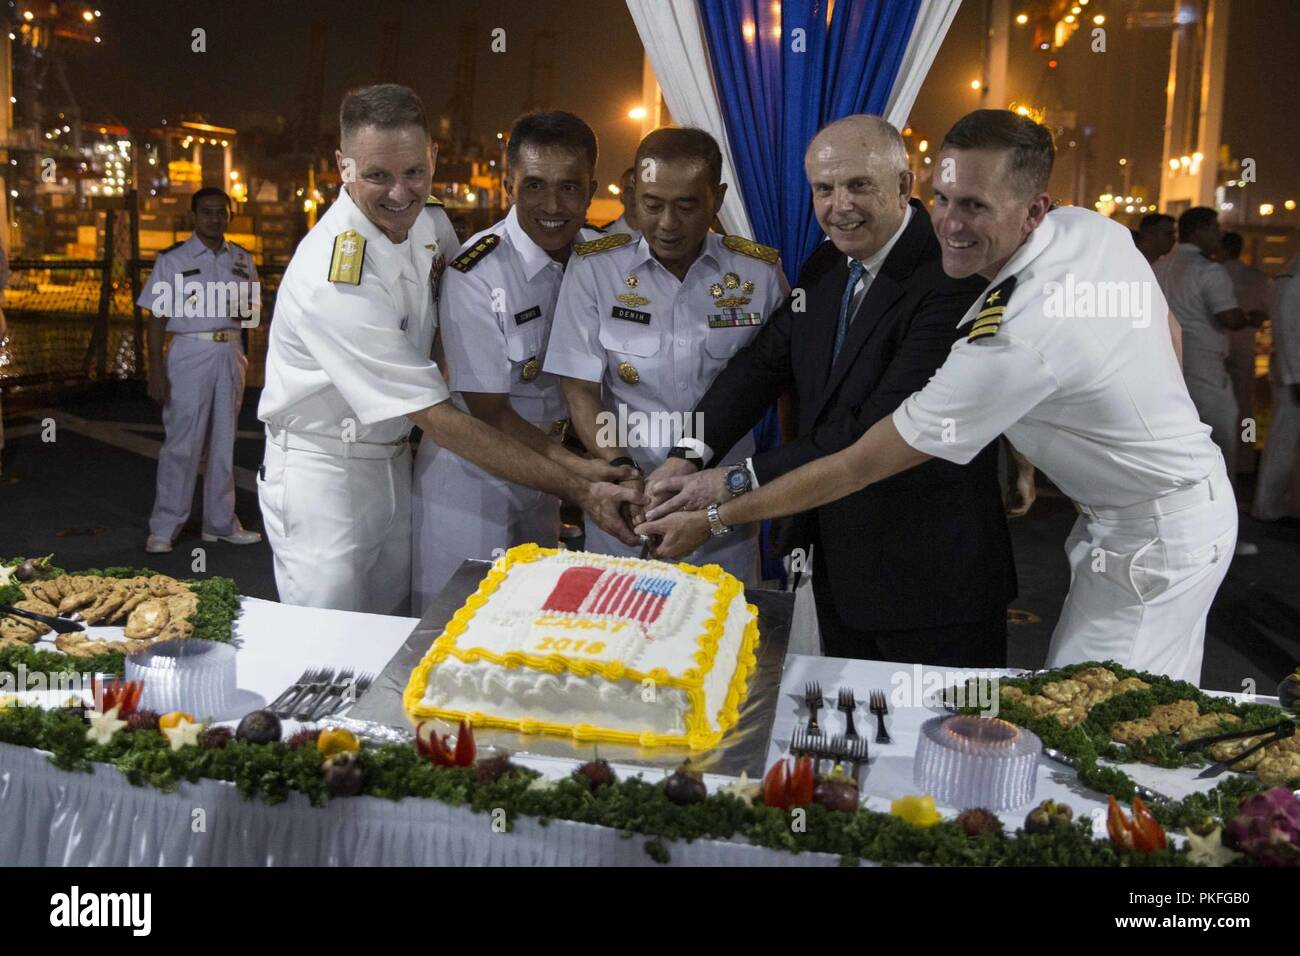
(716, 527)
(738, 480)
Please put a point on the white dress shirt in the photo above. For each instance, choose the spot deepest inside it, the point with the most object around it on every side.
(1197, 288)
(360, 353)
(1090, 394)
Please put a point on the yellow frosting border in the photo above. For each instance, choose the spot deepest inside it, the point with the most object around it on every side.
(699, 734)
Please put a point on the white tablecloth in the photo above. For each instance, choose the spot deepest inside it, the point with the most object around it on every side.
(53, 817)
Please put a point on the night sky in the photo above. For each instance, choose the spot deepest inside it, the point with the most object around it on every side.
(256, 62)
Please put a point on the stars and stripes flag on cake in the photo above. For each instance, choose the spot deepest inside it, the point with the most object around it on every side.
(606, 592)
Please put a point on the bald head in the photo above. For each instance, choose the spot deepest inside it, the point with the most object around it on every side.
(857, 168)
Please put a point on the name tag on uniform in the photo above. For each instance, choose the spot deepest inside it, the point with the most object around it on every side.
(630, 315)
(527, 315)
(189, 272)
(240, 273)
(732, 318)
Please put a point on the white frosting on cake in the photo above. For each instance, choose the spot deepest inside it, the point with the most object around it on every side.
(597, 647)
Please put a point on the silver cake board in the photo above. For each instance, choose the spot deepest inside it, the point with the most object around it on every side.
(744, 748)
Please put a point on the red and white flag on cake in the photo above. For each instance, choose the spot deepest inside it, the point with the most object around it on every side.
(599, 592)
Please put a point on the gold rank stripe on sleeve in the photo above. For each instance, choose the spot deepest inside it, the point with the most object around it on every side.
(476, 253)
(748, 247)
(992, 310)
(984, 329)
(603, 244)
(348, 256)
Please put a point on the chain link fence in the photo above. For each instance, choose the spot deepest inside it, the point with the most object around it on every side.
(74, 322)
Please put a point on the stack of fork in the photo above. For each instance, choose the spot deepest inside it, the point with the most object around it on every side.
(319, 693)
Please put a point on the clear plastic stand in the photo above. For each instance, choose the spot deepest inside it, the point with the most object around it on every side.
(969, 761)
(191, 675)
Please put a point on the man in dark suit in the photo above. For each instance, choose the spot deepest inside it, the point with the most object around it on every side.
(917, 568)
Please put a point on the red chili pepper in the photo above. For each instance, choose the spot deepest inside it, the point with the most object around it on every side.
(1148, 834)
(800, 787)
(775, 786)
(1118, 826)
(433, 747)
(124, 695)
(464, 756)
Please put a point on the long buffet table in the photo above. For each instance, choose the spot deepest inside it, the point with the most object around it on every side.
(53, 817)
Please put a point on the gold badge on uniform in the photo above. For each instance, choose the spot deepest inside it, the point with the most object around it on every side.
(632, 281)
(628, 373)
(436, 267)
(532, 368)
(632, 299)
(719, 290)
(747, 286)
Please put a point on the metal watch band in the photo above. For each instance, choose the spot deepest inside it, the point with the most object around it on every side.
(716, 527)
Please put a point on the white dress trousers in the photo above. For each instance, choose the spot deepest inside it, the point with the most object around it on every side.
(207, 388)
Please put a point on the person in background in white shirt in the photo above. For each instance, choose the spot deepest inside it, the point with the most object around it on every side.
(627, 196)
(1276, 495)
(1200, 294)
(1154, 236)
(199, 291)
(1254, 291)
(1069, 355)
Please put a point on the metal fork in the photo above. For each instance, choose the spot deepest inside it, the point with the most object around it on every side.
(878, 707)
(320, 679)
(846, 705)
(812, 697)
(311, 702)
(348, 692)
(294, 691)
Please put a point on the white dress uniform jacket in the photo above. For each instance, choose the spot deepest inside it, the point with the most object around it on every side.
(1069, 355)
(495, 311)
(1197, 288)
(1276, 495)
(204, 296)
(349, 358)
(655, 343)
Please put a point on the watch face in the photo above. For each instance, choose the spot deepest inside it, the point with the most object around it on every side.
(737, 481)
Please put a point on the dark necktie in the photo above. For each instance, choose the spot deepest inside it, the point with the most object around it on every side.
(856, 272)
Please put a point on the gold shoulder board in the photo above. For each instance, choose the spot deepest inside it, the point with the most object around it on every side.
(603, 244)
(476, 253)
(349, 254)
(992, 310)
(748, 247)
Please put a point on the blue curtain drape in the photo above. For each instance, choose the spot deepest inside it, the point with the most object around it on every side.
(778, 86)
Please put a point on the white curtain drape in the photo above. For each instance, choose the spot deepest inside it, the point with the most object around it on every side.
(670, 31)
(932, 23)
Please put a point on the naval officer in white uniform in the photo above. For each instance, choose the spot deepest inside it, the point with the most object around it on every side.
(1275, 494)
(1069, 353)
(348, 372)
(199, 291)
(644, 325)
(496, 306)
